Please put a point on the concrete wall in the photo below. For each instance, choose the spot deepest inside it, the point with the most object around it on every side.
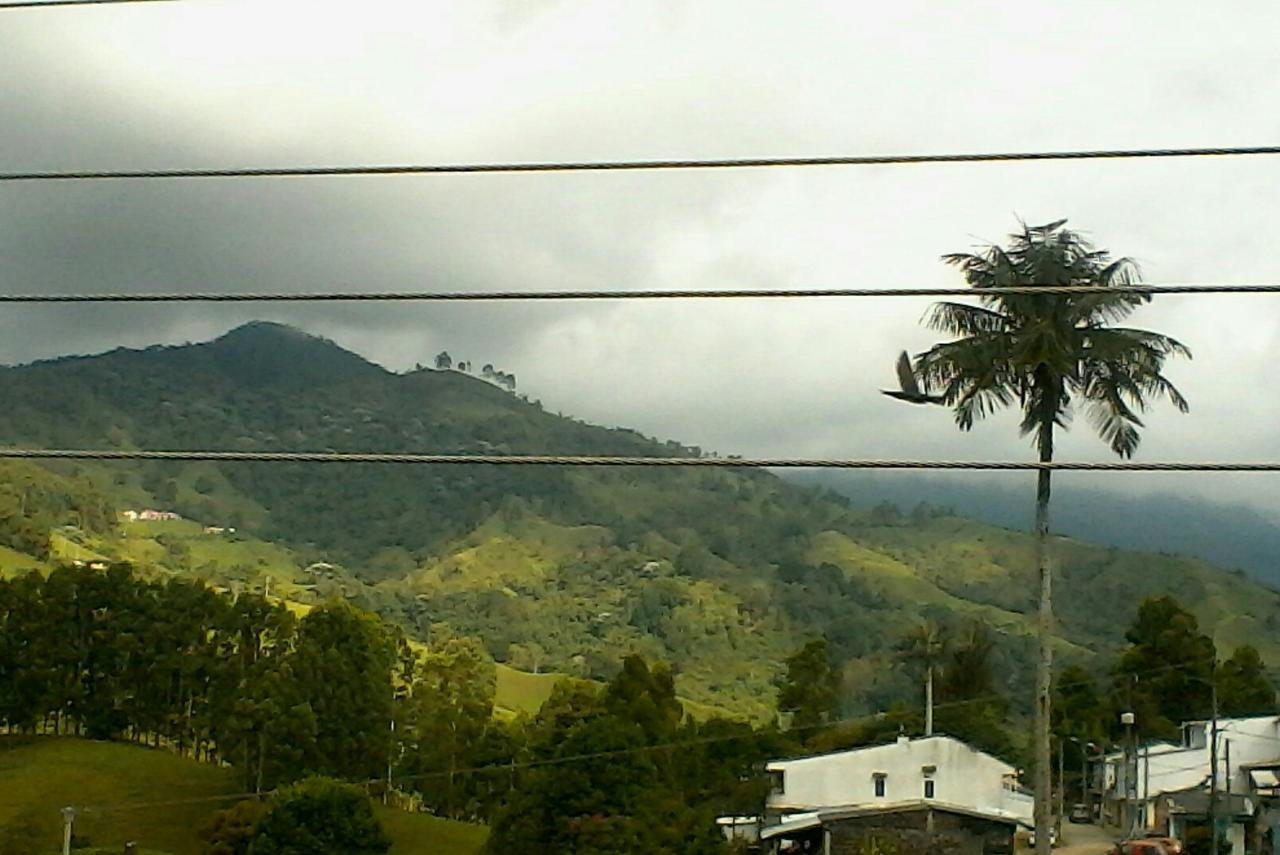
(961, 776)
(913, 833)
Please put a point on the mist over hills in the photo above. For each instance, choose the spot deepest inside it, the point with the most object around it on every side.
(1234, 536)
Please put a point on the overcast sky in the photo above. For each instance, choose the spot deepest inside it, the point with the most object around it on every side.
(209, 83)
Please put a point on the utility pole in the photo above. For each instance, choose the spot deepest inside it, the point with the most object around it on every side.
(1131, 771)
(1061, 788)
(1213, 761)
(1146, 781)
(928, 697)
(391, 747)
(1226, 745)
(68, 817)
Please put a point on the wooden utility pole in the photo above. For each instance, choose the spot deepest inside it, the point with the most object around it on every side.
(1062, 791)
(928, 700)
(68, 817)
(1213, 766)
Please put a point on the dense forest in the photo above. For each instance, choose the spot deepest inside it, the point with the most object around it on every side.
(720, 572)
(599, 768)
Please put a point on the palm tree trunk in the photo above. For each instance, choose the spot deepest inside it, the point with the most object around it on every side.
(1044, 664)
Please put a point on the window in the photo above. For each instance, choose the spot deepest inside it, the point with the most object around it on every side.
(878, 778)
(928, 788)
(777, 783)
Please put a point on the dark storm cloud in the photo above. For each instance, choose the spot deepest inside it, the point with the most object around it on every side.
(238, 83)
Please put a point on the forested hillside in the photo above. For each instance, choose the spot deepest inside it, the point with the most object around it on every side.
(722, 572)
(1231, 535)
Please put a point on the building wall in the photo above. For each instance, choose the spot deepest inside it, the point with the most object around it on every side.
(912, 833)
(1171, 768)
(961, 776)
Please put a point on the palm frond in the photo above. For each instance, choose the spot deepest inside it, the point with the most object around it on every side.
(963, 319)
(1040, 351)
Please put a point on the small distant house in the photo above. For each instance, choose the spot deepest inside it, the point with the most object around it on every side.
(157, 516)
(131, 516)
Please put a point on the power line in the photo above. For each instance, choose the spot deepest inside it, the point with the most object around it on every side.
(650, 294)
(619, 752)
(37, 4)
(606, 460)
(636, 165)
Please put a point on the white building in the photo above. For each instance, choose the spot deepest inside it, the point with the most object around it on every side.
(1163, 773)
(937, 768)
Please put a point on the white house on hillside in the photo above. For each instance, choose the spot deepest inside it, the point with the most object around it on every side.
(934, 768)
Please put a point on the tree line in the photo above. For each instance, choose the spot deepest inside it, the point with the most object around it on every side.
(242, 681)
(613, 767)
(444, 362)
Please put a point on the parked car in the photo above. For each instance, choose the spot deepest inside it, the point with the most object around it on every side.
(1080, 813)
(1171, 844)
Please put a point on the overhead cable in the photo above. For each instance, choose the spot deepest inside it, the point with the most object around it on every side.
(37, 4)
(598, 755)
(635, 165)
(624, 461)
(650, 294)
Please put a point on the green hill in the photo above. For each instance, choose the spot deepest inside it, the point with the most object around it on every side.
(720, 572)
(126, 792)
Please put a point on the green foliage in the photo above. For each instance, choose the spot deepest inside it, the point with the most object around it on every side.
(231, 831)
(1243, 686)
(319, 816)
(614, 798)
(109, 654)
(1078, 710)
(446, 723)
(1041, 352)
(342, 662)
(810, 692)
(1166, 671)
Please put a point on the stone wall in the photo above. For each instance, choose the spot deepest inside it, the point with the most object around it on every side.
(910, 833)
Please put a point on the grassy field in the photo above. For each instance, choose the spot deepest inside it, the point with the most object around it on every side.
(520, 691)
(419, 834)
(151, 796)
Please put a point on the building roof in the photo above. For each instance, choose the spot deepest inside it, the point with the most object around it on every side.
(1195, 802)
(1224, 722)
(781, 765)
(792, 824)
(914, 805)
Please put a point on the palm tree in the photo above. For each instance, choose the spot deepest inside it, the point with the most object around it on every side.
(926, 644)
(1047, 354)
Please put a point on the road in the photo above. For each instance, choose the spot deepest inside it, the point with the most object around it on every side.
(1085, 840)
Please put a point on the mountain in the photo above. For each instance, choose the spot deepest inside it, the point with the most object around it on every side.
(1232, 535)
(721, 572)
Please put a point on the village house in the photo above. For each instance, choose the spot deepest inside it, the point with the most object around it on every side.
(937, 768)
(933, 793)
(1168, 786)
